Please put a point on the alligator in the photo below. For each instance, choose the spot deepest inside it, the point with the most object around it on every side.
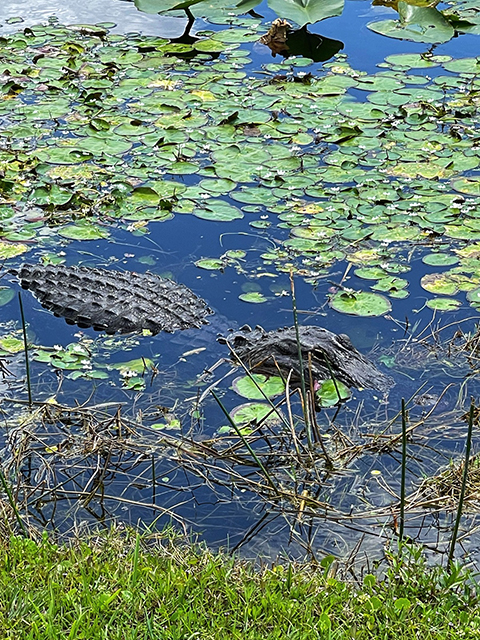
(324, 355)
(124, 302)
(113, 301)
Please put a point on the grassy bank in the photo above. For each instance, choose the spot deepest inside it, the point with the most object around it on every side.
(122, 586)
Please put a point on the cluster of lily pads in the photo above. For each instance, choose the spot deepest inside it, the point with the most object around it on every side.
(102, 130)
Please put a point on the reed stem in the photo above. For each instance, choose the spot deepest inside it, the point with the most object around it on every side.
(404, 470)
(303, 387)
(25, 349)
(461, 499)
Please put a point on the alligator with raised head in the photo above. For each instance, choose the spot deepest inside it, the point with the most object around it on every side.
(125, 302)
(324, 354)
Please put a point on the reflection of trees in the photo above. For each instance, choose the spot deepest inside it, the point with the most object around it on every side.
(283, 40)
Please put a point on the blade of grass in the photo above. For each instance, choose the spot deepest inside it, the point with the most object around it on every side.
(13, 504)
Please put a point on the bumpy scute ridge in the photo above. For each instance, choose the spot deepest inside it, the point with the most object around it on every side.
(114, 301)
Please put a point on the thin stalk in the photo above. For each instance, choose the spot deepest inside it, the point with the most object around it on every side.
(300, 361)
(25, 349)
(13, 504)
(404, 469)
(461, 499)
(154, 480)
(245, 442)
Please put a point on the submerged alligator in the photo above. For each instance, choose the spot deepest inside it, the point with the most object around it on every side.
(124, 302)
(113, 301)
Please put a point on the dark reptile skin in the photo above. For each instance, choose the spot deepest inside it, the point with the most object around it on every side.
(114, 301)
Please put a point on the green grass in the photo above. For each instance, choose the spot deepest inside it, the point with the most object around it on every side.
(123, 586)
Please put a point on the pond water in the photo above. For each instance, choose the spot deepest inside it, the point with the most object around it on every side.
(127, 438)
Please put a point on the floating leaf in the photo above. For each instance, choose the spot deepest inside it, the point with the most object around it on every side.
(8, 250)
(439, 259)
(83, 231)
(474, 297)
(10, 344)
(332, 392)
(138, 365)
(420, 24)
(439, 283)
(248, 386)
(217, 210)
(360, 303)
(471, 186)
(211, 264)
(253, 412)
(443, 304)
(306, 11)
(253, 296)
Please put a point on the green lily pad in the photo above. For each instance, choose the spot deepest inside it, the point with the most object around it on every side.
(8, 250)
(211, 264)
(253, 412)
(474, 296)
(253, 296)
(219, 211)
(246, 386)
(370, 273)
(10, 344)
(470, 186)
(83, 231)
(417, 23)
(440, 259)
(332, 392)
(138, 365)
(439, 283)
(444, 304)
(360, 303)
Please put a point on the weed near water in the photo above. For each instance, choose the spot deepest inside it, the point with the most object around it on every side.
(123, 585)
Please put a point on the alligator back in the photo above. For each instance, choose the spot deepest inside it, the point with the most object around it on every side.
(114, 301)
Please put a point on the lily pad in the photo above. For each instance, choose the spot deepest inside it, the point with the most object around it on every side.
(439, 283)
(360, 303)
(211, 264)
(440, 259)
(10, 344)
(253, 296)
(6, 295)
(253, 412)
(474, 296)
(8, 250)
(219, 211)
(252, 386)
(83, 231)
(332, 392)
(444, 304)
(138, 365)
